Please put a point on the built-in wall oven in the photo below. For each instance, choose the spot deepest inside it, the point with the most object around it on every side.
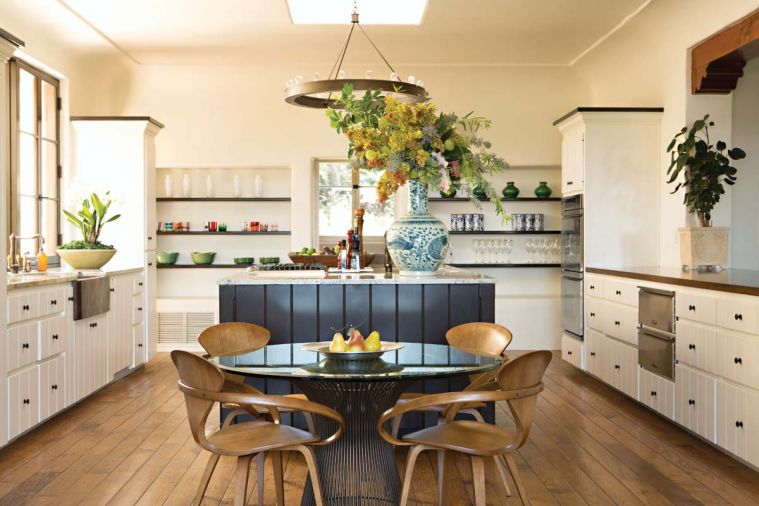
(572, 266)
(656, 331)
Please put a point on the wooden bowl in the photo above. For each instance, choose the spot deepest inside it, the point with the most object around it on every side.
(326, 260)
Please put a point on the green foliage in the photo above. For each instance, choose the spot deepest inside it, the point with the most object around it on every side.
(704, 168)
(91, 218)
(84, 245)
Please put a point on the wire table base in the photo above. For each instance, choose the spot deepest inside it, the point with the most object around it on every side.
(359, 468)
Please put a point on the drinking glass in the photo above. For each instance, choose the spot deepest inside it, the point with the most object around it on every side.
(492, 248)
(476, 243)
(509, 244)
(529, 246)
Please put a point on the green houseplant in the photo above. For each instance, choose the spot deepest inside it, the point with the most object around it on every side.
(702, 169)
(90, 218)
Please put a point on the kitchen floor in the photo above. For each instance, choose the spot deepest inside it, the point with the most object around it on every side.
(130, 444)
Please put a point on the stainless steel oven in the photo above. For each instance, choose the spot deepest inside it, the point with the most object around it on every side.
(656, 332)
(572, 255)
(572, 303)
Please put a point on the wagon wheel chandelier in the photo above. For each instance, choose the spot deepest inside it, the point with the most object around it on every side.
(319, 93)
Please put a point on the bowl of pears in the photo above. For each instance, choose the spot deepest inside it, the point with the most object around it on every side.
(355, 347)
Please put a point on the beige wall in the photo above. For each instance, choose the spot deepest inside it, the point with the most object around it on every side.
(646, 63)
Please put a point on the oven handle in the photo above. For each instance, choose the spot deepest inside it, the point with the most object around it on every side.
(656, 291)
(656, 333)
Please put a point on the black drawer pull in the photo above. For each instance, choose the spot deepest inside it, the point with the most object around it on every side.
(25, 346)
(139, 345)
(55, 337)
(150, 264)
(113, 289)
(71, 299)
(691, 402)
(592, 287)
(25, 307)
(653, 393)
(54, 387)
(54, 302)
(139, 284)
(616, 366)
(592, 315)
(691, 308)
(569, 352)
(27, 401)
(592, 353)
(139, 309)
(738, 360)
(691, 346)
(738, 316)
(570, 183)
(739, 424)
(616, 322)
(619, 292)
(150, 238)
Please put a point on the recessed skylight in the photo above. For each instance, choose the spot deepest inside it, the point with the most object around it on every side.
(372, 12)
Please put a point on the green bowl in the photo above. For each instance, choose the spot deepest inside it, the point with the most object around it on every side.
(244, 260)
(166, 258)
(202, 258)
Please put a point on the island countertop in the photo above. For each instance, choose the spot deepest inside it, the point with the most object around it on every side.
(445, 276)
(743, 281)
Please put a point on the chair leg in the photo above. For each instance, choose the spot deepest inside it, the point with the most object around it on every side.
(260, 469)
(517, 479)
(395, 426)
(212, 461)
(241, 479)
(444, 461)
(279, 484)
(478, 479)
(308, 454)
(410, 463)
(502, 471)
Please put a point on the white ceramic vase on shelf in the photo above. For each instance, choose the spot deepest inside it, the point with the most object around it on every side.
(209, 186)
(236, 187)
(257, 185)
(168, 185)
(186, 186)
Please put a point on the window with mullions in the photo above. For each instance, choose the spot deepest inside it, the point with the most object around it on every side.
(342, 190)
(35, 157)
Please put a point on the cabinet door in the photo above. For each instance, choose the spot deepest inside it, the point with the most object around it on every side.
(572, 350)
(23, 402)
(139, 344)
(594, 313)
(621, 321)
(694, 401)
(624, 368)
(138, 309)
(697, 345)
(52, 386)
(621, 291)
(91, 360)
(696, 307)
(567, 164)
(52, 300)
(21, 345)
(22, 305)
(738, 357)
(593, 286)
(738, 421)
(594, 353)
(656, 392)
(150, 317)
(120, 325)
(738, 313)
(53, 336)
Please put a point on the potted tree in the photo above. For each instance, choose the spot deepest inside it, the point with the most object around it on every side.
(704, 168)
(89, 252)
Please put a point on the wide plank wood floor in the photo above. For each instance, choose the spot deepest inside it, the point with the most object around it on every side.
(130, 444)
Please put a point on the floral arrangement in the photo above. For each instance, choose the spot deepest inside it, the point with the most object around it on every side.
(90, 220)
(415, 141)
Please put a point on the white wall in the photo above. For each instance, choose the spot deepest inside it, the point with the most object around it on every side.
(745, 205)
(646, 63)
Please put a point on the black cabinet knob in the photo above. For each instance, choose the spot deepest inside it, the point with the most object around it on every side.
(25, 307)
(616, 322)
(592, 353)
(592, 315)
(616, 366)
(738, 316)
(140, 283)
(619, 292)
(569, 352)
(691, 346)
(139, 309)
(54, 387)
(71, 299)
(139, 345)
(54, 302)
(150, 264)
(113, 289)
(55, 337)
(26, 401)
(592, 287)
(653, 393)
(739, 424)
(150, 238)
(25, 346)
(691, 402)
(691, 308)
(738, 360)
(570, 183)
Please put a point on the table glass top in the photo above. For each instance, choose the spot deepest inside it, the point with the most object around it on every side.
(412, 361)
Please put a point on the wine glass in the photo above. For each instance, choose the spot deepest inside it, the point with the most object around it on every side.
(529, 246)
(492, 249)
(476, 243)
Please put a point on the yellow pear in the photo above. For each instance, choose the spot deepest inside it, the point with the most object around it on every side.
(338, 343)
(373, 342)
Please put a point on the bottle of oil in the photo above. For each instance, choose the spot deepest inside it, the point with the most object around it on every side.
(388, 260)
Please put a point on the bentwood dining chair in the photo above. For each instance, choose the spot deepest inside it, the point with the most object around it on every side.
(476, 337)
(520, 381)
(238, 338)
(202, 383)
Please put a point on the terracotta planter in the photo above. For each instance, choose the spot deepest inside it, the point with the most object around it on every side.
(86, 258)
(704, 247)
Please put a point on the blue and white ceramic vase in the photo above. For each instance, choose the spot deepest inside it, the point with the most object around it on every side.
(418, 241)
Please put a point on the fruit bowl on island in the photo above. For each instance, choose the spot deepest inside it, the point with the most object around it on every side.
(355, 348)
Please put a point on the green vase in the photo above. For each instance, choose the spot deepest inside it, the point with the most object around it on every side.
(543, 191)
(449, 194)
(479, 192)
(510, 191)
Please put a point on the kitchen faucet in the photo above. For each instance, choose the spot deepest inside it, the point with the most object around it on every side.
(13, 266)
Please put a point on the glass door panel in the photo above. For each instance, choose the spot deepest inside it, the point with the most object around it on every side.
(49, 182)
(49, 111)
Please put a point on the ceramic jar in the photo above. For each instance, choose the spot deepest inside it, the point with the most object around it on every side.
(168, 185)
(186, 186)
(510, 191)
(543, 191)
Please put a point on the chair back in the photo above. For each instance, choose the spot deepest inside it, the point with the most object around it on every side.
(233, 338)
(523, 372)
(486, 338)
(198, 373)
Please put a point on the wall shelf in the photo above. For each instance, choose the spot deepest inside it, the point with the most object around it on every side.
(223, 199)
(206, 266)
(228, 232)
(503, 232)
(502, 265)
(503, 199)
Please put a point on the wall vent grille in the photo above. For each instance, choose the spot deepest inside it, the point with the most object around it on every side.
(182, 328)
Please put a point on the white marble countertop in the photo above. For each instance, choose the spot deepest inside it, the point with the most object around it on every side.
(56, 275)
(445, 276)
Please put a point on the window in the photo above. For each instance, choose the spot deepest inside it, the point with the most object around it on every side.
(35, 158)
(342, 190)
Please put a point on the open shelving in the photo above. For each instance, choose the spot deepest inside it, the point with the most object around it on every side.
(503, 199)
(503, 265)
(224, 199)
(228, 232)
(203, 266)
(504, 232)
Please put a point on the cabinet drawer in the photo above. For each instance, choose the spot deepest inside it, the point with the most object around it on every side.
(624, 292)
(738, 357)
(53, 336)
(621, 321)
(52, 300)
(738, 421)
(138, 333)
(697, 345)
(138, 283)
(657, 393)
(594, 313)
(572, 350)
(23, 401)
(738, 313)
(594, 286)
(696, 307)
(623, 367)
(138, 309)
(21, 345)
(52, 386)
(694, 401)
(22, 306)
(595, 353)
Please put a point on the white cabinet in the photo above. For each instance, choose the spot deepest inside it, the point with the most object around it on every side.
(120, 349)
(23, 402)
(738, 421)
(696, 345)
(738, 357)
(694, 404)
(656, 392)
(594, 353)
(738, 313)
(22, 305)
(52, 396)
(572, 351)
(593, 286)
(53, 336)
(21, 346)
(573, 160)
(623, 367)
(595, 313)
(621, 321)
(139, 344)
(696, 307)
(90, 355)
(621, 291)
(52, 300)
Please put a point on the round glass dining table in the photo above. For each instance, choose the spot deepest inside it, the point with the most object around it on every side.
(358, 468)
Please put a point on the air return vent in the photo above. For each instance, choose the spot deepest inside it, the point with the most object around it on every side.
(182, 328)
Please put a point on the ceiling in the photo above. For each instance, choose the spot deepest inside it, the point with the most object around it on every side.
(452, 32)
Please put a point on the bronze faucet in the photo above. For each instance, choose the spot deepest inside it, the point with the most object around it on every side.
(13, 266)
